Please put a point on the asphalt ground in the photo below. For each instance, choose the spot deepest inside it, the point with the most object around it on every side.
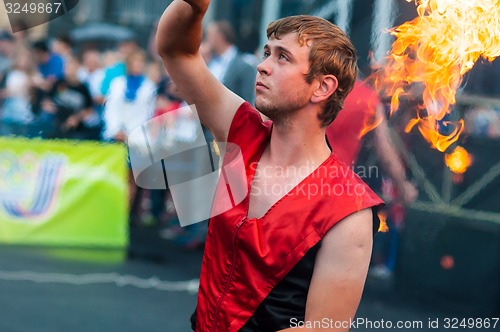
(152, 287)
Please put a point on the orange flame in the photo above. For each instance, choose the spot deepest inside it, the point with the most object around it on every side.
(371, 125)
(435, 50)
(383, 228)
(458, 161)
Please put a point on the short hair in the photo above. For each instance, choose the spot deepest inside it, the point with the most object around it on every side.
(332, 52)
(65, 39)
(226, 30)
(41, 45)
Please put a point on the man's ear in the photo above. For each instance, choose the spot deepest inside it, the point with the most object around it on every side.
(327, 86)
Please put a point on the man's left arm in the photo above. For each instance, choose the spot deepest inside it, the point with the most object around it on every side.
(340, 273)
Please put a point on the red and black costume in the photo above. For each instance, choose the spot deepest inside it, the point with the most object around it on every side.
(256, 272)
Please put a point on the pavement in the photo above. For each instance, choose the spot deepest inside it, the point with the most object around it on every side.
(152, 287)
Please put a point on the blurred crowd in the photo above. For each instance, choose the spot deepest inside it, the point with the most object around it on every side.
(55, 89)
(49, 90)
(483, 121)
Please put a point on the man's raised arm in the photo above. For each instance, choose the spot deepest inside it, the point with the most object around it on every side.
(178, 41)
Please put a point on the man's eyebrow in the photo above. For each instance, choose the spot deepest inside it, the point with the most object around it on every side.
(284, 50)
(280, 49)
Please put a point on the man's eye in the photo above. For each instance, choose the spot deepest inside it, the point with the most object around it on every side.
(283, 57)
(266, 55)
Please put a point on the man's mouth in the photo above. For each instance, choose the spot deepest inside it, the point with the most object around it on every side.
(260, 85)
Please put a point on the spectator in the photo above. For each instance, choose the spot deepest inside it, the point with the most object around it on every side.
(71, 104)
(91, 74)
(130, 100)
(16, 110)
(167, 103)
(119, 68)
(130, 103)
(50, 65)
(361, 110)
(228, 64)
(63, 46)
(51, 69)
(7, 54)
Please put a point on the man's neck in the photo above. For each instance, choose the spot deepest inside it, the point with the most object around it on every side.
(297, 142)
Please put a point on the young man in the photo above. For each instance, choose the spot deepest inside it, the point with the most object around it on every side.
(276, 259)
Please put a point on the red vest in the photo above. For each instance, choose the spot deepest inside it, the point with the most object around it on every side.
(245, 258)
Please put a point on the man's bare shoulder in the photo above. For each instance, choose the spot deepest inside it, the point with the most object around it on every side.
(340, 269)
(353, 231)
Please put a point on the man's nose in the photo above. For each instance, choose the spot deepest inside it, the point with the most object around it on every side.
(263, 68)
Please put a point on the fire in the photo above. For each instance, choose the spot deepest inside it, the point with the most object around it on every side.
(374, 123)
(435, 50)
(383, 228)
(458, 161)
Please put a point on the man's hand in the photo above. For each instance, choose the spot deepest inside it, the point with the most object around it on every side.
(179, 30)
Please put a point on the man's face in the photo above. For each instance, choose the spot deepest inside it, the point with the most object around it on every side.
(281, 88)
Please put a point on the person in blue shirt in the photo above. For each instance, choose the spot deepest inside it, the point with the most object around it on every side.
(50, 65)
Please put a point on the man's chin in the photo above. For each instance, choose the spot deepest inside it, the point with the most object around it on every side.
(262, 108)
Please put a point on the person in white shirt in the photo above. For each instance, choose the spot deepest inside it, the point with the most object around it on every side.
(92, 74)
(16, 115)
(130, 101)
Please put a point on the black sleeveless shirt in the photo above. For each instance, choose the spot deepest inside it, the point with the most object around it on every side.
(286, 300)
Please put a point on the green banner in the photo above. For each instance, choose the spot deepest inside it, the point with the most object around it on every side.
(67, 193)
